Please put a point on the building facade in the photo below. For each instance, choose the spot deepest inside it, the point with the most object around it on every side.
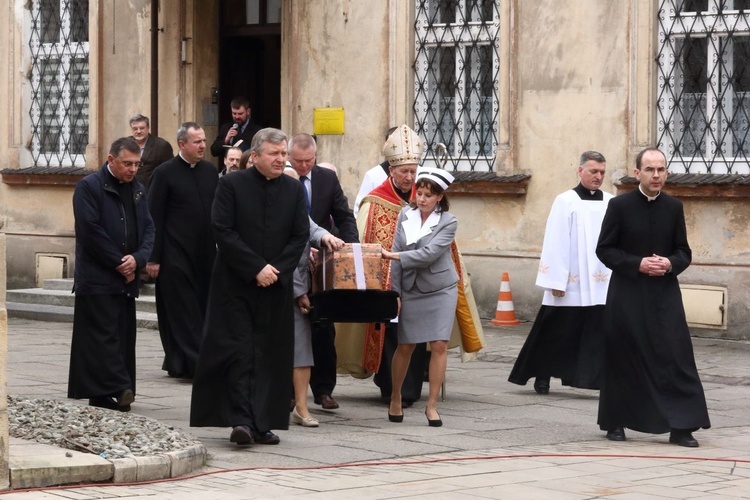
(506, 92)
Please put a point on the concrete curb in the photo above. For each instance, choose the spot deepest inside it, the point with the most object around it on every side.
(35, 465)
(162, 466)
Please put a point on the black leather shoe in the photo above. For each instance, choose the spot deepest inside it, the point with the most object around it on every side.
(407, 403)
(108, 403)
(125, 398)
(541, 385)
(616, 434)
(266, 437)
(103, 402)
(683, 438)
(241, 435)
(326, 401)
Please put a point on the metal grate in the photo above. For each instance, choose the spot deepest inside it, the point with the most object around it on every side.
(59, 82)
(703, 68)
(456, 72)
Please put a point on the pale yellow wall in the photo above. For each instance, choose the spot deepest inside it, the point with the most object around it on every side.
(337, 54)
(4, 477)
(125, 71)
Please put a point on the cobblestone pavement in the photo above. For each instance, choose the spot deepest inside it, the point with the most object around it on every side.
(499, 440)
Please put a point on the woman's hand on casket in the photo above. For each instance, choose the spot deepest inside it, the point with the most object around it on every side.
(389, 255)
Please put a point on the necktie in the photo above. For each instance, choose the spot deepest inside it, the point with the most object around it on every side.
(304, 181)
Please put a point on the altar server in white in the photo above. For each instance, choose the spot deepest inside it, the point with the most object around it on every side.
(566, 340)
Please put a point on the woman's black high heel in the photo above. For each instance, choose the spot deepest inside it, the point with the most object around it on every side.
(396, 418)
(432, 423)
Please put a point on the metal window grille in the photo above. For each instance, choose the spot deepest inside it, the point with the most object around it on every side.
(59, 82)
(703, 68)
(455, 86)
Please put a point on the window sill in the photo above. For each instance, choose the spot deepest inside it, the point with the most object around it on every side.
(697, 185)
(43, 176)
(488, 183)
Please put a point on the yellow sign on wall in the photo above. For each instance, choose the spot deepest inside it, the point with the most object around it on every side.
(328, 121)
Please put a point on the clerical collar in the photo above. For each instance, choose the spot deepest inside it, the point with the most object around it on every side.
(649, 198)
(192, 165)
(587, 194)
(109, 169)
(401, 194)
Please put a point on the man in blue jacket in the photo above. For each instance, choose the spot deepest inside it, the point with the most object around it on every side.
(114, 238)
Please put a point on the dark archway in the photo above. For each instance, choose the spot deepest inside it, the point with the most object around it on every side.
(250, 58)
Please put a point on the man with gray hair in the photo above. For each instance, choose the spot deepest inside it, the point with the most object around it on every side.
(566, 340)
(180, 199)
(244, 375)
(154, 150)
(114, 238)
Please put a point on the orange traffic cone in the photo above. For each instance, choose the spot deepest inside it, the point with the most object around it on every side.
(505, 314)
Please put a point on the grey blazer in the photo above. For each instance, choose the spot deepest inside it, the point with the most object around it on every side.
(301, 277)
(426, 263)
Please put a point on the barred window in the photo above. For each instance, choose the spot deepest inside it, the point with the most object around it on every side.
(455, 85)
(59, 44)
(703, 68)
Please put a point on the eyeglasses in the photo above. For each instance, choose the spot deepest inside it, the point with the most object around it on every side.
(131, 164)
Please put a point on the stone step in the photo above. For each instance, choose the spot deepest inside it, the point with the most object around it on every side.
(145, 303)
(64, 314)
(66, 285)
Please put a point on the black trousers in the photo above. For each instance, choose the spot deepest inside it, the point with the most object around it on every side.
(412, 388)
(323, 374)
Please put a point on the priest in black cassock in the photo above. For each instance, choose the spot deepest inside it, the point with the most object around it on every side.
(180, 199)
(650, 381)
(244, 375)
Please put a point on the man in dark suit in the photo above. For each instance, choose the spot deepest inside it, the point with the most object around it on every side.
(154, 150)
(241, 128)
(328, 206)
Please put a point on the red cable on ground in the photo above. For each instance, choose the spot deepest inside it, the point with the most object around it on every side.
(369, 464)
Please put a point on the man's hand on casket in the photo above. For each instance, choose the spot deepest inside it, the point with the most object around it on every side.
(331, 242)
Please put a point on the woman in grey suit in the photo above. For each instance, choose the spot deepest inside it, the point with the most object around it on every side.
(303, 353)
(424, 275)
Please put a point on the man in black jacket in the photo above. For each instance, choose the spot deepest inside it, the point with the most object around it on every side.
(114, 238)
(328, 207)
(154, 150)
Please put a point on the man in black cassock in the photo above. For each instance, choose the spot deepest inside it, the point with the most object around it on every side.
(180, 199)
(650, 381)
(114, 238)
(244, 375)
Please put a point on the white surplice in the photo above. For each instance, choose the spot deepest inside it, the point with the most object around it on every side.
(568, 259)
